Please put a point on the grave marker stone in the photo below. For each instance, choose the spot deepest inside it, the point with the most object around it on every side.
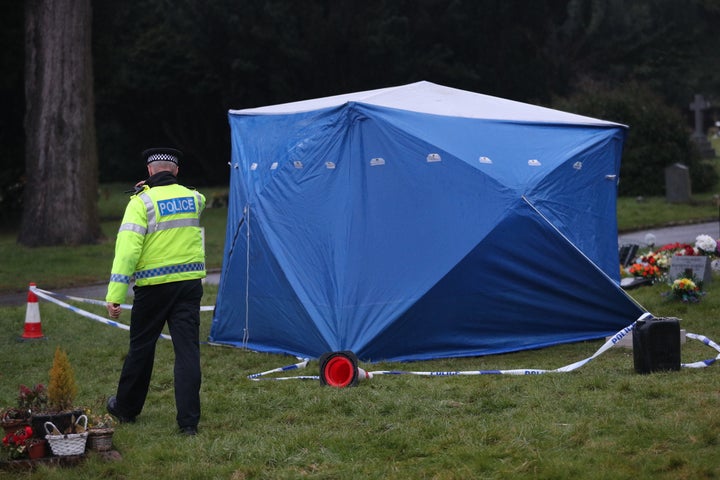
(698, 105)
(699, 266)
(677, 183)
(627, 254)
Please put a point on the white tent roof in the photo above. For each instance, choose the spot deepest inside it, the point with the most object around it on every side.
(428, 97)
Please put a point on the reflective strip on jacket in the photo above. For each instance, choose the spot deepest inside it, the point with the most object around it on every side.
(159, 240)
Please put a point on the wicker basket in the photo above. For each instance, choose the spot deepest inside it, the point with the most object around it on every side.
(100, 439)
(69, 443)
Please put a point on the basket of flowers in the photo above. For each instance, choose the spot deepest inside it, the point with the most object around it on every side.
(11, 419)
(72, 442)
(100, 432)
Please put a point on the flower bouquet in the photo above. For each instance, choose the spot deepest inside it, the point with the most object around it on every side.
(706, 245)
(33, 399)
(17, 443)
(686, 290)
(14, 443)
(645, 270)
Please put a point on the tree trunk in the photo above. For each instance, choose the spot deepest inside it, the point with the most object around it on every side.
(60, 203)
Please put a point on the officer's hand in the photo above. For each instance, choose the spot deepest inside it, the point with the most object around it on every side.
(113, 310)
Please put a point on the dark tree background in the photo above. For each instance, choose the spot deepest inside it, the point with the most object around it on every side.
(167, 72)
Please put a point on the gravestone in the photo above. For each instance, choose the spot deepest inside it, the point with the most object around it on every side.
(698, 105)
(697, 266)
(627, 254)
(677, 183)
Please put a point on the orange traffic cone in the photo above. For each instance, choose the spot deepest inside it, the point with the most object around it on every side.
(340, 369)
(33, 327)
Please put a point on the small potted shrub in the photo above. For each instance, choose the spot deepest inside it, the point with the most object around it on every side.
(62, 388)
(61, 393)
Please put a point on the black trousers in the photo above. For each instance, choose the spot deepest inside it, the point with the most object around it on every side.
(178, 304)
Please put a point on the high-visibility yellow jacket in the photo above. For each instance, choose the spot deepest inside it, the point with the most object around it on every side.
(159, 240)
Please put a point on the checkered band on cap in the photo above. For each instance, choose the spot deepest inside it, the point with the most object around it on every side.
(162, 157)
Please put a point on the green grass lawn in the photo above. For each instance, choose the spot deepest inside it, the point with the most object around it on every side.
(601, 421)
(56, 267)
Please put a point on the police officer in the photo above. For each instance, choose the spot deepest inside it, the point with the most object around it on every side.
(160, 244)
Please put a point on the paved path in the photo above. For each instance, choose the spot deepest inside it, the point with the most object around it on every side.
(662, 236)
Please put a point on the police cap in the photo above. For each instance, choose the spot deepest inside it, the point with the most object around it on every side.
(162, 155)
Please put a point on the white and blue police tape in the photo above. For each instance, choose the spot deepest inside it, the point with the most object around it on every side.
(48, 296)
(519, 371)
(298, 377)
(709, 343)
(91, 301)
(294, 366)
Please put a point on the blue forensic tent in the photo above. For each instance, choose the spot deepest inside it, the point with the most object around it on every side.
(419, 222)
